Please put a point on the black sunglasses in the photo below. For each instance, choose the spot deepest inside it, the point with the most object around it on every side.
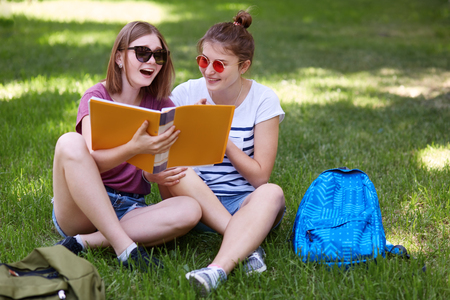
(143, 54)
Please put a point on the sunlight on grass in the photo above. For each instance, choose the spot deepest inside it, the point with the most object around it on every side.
(24, 186)
(411, 241)
(365, 84)
(71, 38)
(429, 84)
(83, 11)
(373, 89)
(41, 84)
(436, 158)
(233, 6)
(321, 86)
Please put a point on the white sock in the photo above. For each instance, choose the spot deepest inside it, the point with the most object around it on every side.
(124, 256)
(217, 267)
(79, 240)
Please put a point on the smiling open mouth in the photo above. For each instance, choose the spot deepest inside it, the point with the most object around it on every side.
(147, 72)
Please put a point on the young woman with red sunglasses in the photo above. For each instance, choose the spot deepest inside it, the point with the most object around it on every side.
(237, 200)
(98, 197)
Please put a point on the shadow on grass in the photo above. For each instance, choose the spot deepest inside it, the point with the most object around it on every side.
(317, 137)
(382, 141)
(32, 124)
(346, 37)
(28, 52)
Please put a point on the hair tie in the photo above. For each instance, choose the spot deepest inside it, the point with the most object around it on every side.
(237, 24)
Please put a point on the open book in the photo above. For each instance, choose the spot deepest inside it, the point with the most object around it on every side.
(202, 140)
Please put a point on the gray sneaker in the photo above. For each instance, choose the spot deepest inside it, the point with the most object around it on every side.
(255, 262)
(206, 279)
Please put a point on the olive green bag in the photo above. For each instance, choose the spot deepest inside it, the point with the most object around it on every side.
(51, 273)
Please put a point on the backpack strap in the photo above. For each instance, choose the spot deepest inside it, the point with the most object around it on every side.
(400, 251)
(397, 250)
(343, 170)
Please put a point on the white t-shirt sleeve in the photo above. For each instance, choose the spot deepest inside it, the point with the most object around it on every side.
(180, 95)
(190, 92)
(269, 106)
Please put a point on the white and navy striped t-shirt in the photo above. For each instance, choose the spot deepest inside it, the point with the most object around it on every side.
(261, 104)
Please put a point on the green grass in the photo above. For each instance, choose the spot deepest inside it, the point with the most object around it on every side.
(364, 84)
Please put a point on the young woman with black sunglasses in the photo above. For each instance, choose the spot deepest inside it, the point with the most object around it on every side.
(237, 200)
(98, 197)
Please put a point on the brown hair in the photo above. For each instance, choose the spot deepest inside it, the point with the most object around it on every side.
(233, 36)
(162, 84)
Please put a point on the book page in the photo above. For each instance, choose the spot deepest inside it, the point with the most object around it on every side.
(203, 137)
(202, 140)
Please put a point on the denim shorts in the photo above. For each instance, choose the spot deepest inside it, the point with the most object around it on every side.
(122, 203)
(232, 204)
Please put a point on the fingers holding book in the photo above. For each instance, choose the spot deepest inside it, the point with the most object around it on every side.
(203, 101)
(145, 143)
(167, 177)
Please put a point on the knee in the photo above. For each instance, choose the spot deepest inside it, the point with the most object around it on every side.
(273, 194)
(272, 190)
(189, 212)
(71, 146)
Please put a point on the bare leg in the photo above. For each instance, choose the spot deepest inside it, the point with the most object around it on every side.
(214, 214)
(81, 202)
(248, 227)
(155, 224)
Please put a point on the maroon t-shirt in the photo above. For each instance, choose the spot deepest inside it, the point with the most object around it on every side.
(124, 177)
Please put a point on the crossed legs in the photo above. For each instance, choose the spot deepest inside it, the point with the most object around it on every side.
(246, 229)
(155, 224)
(82, 205)
(250, 225)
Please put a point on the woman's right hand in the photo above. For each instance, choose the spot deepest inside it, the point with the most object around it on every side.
(145, 143)
(167, 177)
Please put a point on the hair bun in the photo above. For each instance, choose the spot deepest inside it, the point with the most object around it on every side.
(243, 18)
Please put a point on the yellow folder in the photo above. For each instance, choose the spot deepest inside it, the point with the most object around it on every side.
(202, 140)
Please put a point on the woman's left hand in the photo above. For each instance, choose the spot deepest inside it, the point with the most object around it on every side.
(167, 177)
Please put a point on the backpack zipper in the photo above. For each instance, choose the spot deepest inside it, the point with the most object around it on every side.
(61, 295)
(309, 235)
(50, 272)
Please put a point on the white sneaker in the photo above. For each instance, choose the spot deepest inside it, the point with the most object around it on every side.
(255, 262)
(206, 279)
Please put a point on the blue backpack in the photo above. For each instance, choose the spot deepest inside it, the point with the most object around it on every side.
(339, 221)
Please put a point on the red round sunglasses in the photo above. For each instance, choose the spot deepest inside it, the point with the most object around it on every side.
(203, 62)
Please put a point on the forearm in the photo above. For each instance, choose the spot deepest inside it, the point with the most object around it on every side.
(107, 159)
(257, 169)
(254, 172)
(110, 158)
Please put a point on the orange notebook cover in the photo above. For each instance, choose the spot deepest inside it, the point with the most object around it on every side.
(202, 140)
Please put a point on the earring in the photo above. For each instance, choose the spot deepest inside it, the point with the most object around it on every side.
(120, 66)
